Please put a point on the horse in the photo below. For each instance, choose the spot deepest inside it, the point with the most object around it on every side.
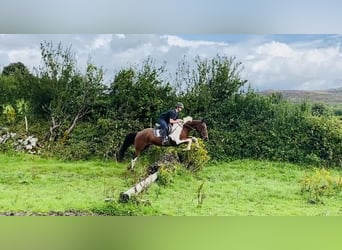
(146, 137)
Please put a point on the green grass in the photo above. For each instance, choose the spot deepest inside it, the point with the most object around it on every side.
(31, 184)
(243, 188)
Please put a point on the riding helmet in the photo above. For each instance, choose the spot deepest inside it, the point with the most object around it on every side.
(179, 105)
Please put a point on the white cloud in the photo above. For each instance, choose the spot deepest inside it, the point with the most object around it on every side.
(275, 49)
(102, 41)
(279, 65)
(178, 41)
(310, 63)
(26, 56)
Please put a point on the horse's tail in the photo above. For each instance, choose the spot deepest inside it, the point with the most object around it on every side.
(129, 140)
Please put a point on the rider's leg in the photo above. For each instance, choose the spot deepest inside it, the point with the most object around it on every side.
(164, 131)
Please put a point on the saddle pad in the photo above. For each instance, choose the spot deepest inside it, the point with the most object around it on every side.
(156, 132)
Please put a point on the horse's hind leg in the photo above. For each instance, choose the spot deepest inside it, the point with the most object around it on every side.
(139, 147)
(134, 159)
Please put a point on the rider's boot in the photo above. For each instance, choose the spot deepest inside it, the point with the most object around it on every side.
(165, 140)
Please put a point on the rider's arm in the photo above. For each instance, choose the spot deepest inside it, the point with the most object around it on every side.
(173, 121)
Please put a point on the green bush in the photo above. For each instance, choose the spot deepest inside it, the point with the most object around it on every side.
(195, 158)
(165, 176)
(319, 185)
(324, 139)
(241, 122)
(259, 127)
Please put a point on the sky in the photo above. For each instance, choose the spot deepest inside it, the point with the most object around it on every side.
(281, 44)
(279, 61)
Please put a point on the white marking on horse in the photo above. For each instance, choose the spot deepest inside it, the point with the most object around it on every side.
(133, 162)
(176, 131)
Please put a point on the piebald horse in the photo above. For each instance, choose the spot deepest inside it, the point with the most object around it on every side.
(179, 134)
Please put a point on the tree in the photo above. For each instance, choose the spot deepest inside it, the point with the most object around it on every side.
(85, 94)
(72, 94)
(210, 84)
(320, 109)
(17, 83)
(15, 68)
(138, 94)
(8, 89)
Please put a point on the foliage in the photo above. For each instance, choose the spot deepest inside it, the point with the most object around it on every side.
(196, 158)
(8, 89)
(9, 113)
(212, 82)
(23, 109)
(19, 84)
(321, 109)
(74, 151)
(254, 126)
(72, 94)
(134, 207)
(137, 96)
(165, 176)
(15, 68)
(337, 110)
(79, 117)
(319, 185)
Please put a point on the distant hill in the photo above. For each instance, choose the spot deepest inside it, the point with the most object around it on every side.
(328, 96)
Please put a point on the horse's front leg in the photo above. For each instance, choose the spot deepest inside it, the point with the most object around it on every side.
(189, 144)
(195, 140)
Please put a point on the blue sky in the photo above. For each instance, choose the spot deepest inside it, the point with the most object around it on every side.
(279, 61)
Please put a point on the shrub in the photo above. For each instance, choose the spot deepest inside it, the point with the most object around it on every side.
(268, 127)
(195, 158)
(320, 185)
(165, 176)
(134, 207)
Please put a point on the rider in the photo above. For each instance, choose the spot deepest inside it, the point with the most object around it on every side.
(169, 117)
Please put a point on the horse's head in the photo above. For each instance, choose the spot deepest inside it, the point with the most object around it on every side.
(200, 127)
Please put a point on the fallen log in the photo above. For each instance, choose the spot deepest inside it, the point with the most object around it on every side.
(167, 161)
(125, 196)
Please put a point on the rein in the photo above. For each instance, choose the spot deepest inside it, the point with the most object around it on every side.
(192, 128)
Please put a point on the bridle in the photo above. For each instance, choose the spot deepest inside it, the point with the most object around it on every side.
(193, 128)
(186, 125)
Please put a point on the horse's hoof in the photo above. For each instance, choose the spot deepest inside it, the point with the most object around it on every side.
(186, 149)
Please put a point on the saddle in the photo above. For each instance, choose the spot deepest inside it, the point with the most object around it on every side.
(157, 130)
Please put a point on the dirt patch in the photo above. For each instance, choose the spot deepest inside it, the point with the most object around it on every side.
(51, 213)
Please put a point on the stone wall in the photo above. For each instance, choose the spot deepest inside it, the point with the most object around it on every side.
(22, 143)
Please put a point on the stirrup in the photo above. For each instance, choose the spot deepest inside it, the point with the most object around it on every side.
(165, 140)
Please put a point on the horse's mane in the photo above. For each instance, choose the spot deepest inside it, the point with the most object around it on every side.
(187, 119)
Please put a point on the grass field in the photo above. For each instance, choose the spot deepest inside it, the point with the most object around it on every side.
(32, 185)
